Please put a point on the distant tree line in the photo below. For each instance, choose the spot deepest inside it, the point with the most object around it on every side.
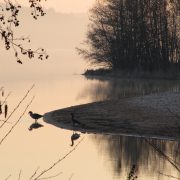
(134, 35)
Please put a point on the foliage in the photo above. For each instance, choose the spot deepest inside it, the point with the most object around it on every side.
(9, 19)
(134, 35)
(96, 72)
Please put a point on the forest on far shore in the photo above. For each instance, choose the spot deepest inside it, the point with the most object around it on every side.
(140, 35)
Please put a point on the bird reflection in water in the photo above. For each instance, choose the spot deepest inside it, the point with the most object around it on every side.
(35, 125)
(74, 137)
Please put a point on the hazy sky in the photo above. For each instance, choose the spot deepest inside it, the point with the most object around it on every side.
(59, 32)
(66, 6)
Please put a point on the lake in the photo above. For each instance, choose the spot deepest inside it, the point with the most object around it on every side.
(107, 157)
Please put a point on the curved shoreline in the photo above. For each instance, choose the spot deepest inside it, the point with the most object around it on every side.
(154, 115)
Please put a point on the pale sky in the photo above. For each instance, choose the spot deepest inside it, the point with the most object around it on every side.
(66, 6)
(58, 32)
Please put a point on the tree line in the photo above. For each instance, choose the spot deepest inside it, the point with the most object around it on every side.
(134, 35)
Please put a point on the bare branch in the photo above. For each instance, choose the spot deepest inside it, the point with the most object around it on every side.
(9, 19)
(16, 122)
(8, 177)
(71, 176)
(50, 177)
(5, 122)
(173, 163)
(6, 98)
(57, 162)
(18, 105)
(169, 176)
(34, 174)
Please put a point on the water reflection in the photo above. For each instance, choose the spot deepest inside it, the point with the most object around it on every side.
(42, 146)
(35, 125)
(74, 137)
(125, 152)
(101, 89)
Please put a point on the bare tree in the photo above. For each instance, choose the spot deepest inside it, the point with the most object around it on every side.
(9, 19)
(134, 35)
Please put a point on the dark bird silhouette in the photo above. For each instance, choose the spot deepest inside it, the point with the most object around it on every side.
(75, 122)
(35, 126)
(35, 116)
(19, 61)
(74, 137)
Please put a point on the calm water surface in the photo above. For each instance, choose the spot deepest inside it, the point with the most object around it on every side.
(97, 157)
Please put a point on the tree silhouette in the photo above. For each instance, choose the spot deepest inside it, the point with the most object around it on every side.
(141, 35)
(9, 19)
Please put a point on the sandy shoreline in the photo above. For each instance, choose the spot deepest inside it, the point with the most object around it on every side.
(154, 115)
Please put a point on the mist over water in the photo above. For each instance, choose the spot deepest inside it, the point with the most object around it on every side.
(112, 88)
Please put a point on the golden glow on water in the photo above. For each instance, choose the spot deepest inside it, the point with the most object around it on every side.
(26, 150)
(97, 157)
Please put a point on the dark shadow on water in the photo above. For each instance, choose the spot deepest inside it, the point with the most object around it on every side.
(35, 126)
(124, 152)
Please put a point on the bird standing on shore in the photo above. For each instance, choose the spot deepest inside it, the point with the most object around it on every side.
(35, 116)
(75, 122)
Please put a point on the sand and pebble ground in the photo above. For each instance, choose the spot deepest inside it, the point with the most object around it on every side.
(153, 115)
